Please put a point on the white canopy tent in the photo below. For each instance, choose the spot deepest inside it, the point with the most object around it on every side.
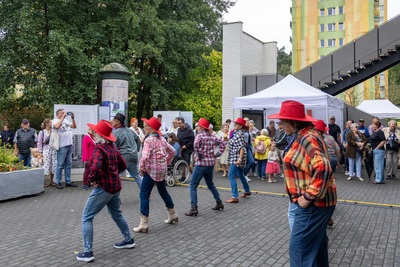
(321, 105)
(383, 109)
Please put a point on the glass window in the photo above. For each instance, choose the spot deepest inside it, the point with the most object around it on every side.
(331, 42)
(341, 26)
(382, 77)
(340, 10)
(341, 42)
(322, 27)
(322, 12)
(331, 11)
(331, 27)
(382, 92)
(322, 43)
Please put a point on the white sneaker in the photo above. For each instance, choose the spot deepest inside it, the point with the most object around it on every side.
(346, 173)
(255, 174)
(348, 179)
(354, 174)
(361, 179)
(282, 176)
(247, 179)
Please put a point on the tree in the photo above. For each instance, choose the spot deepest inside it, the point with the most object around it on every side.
(202, 92)
(284, 62)
(394, 85)
(56, 48)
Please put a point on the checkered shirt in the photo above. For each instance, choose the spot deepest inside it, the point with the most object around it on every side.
(105, 165)
(156, 156)
(307, 169)
(204, 145)
(235, 144)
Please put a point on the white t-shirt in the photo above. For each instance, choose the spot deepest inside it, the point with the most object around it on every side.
(64, 131)
(272, 156)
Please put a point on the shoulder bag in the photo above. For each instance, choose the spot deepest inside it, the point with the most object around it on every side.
(54, 142)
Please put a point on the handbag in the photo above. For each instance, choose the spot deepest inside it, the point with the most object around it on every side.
(395, 146)
(47, 141)
(54, 142)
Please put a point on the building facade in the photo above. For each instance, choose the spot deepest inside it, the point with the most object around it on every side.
(319, 27)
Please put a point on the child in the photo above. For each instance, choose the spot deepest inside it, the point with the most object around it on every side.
(36, 158)
(272, 166)
(174, 142)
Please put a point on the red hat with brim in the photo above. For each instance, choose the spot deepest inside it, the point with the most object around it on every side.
(320, 125)
(203, 123)
(242, 122)
(104, 129)
(292, 110)
(154, 123)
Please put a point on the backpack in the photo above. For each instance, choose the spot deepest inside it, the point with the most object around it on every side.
(260, 147)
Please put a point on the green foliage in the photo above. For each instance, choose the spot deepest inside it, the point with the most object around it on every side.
(7, 159)
(56, 48)
(284, 62)
(394, 85)
(202, 92)
(13, 116)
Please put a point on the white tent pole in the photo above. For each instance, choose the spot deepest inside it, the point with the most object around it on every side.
(327, 116)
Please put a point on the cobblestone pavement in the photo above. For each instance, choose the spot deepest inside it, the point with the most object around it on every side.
(45, 230)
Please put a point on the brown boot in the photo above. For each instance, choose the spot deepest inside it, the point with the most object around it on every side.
(192, 211)
(219, 206)
(144, 225)
(172, 216)
(232, 200)
(330, 222)
(245, 194)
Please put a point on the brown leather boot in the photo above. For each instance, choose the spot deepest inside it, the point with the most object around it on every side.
(245, 194)
(219, 206)
(232, 200)
(192, 211)
(330, 222)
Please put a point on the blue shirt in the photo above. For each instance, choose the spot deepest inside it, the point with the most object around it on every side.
(364, 131)
(177, 149)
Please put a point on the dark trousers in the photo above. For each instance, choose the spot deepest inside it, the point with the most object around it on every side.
(86, 180)
(186, 156)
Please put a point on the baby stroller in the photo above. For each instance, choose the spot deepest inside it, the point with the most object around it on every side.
(178, 172)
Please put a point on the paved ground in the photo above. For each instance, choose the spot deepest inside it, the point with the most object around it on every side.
(45, 230)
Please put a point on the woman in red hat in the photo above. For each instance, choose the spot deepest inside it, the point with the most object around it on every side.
(237, 159)
(156, 156)
(309, 184)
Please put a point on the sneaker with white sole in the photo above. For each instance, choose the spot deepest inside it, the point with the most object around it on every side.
(247, 179)
(85, 256)
(346, 173)
(125, 244)
(255, 174)
(361, 179)
(282, 176)
(348, 179)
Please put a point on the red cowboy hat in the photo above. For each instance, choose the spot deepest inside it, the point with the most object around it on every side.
(320, 125)
(104, 129)
(292, 110)
(155, 124)
(242, 122)
(203, 123)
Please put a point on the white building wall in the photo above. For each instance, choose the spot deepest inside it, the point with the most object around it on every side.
(270, 58)
(253, 53)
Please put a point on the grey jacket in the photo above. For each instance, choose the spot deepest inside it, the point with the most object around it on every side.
(128, 144)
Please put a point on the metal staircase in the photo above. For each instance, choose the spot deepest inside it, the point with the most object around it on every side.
(359, 60)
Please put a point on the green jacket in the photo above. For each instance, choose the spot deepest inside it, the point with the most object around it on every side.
(128, 144)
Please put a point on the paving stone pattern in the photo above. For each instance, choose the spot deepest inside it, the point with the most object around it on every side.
(45, 230)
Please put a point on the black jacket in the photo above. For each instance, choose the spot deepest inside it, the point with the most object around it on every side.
(186, 138)
(4, 137)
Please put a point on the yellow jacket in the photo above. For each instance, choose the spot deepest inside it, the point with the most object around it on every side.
(266, 141)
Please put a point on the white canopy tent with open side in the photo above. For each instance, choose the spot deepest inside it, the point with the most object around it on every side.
(383, 109)
(321, 105)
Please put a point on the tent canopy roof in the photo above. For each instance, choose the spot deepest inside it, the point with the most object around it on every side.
(289, 88)
(380, 108)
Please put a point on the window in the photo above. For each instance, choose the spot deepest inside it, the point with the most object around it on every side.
(331, 42)
(341, 42)
(381, 19)
(322, 43)
(340, 10)
(322, 27)
(382, 78)
(382, 92)
(331, 11)
(322, 12)
(331, 27)
(340, 26)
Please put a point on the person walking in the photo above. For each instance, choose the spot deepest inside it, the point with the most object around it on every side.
(223, 160)
(186, 141)
(128, 143)
(25, 138)
(251, 162)
(392, 147)
(157, 155)
(378, 141)
(261, 146)
(88, 145)
(355, 145)
(7, 137)
(237, 158)
(49, 155)
(204, 146)
(345, 132)
(281, 143)
(105, 165)
(64, 154)
(309, 184)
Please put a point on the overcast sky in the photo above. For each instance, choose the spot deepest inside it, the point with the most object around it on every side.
(269, 20)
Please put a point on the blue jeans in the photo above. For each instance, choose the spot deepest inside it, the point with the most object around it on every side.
(147, 185)
(134, 172)
(333, 163)
(379, 161)
(251, 162)
(308, 241)
(95, 203)
(357, 163)
(233, 171)
(198, 173)
(64, 159)
(291, 214)
(261, 165)
(26, 158)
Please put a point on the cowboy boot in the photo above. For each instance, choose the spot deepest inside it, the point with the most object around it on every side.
(172, 216)
(192, 211)
(232, 200)
(143, 226)
(219, 206)
(246, 194)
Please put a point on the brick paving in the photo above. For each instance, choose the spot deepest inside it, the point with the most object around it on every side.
(45, 230)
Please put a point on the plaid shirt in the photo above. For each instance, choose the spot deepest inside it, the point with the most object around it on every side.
(307, 169)
(204, 145)
(156, 156)
(105, 165)
(235, 144)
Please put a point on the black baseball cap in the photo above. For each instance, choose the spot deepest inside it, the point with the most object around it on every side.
(25, 121)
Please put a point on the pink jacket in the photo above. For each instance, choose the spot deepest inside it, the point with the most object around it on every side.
(88, 146)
